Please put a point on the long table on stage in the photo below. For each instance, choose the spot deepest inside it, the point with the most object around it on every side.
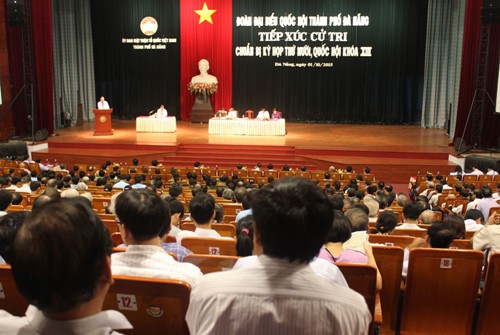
(252, 127)
(146, 124)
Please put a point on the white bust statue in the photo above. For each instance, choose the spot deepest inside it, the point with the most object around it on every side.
(204, 77)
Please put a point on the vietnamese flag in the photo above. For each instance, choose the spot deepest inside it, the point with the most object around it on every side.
(206, 33)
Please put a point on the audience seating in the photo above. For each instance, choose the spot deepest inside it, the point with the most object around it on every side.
(210, 246)
(228, 218)
(390, 264)
(461, 244)
(488, 321)
(410, 232)
(441, 291)
(151, 305)
(391, 240)
(211, 263)
(116, 238)
(10, 299)
(363, 279)
(231, 208)
(224, 229)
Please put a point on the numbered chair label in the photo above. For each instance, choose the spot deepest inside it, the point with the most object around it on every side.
(213, 251)
(446, 263)
(126, 302)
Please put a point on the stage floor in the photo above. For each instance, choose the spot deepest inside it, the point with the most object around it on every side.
(394, 152)
(299, 135)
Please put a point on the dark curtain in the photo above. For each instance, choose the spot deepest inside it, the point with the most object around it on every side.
(384, 88)
(490, 134)
(16, 70)
(211, 41)
(41, 11)
(135, 81)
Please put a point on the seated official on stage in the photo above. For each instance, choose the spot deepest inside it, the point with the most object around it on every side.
(276, 115)
(161, 112)
(102, 104)
(233, 113)
(221, 113)
(263, 115)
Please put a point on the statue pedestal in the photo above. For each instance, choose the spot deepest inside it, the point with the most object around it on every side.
(202, 109)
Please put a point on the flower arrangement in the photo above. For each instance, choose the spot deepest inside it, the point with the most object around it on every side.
(205, 89)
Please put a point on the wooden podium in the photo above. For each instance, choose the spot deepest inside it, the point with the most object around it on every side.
(102, 119)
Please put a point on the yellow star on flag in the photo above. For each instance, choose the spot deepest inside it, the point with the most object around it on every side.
(205, 14)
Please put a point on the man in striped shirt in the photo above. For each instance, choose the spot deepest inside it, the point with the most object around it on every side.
(279, 293)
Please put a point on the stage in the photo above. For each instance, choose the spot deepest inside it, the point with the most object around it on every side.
(393, 152)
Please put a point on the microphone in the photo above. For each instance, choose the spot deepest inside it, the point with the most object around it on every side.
(152, 112)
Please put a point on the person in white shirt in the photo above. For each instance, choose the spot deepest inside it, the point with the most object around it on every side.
(476, 171)
(474, 220)
(161, 112)
(102, 104)
(491, 172)
(202, 213)
(141, 216)
(279, 293)
(411, 213)
(263, 115)
(232, 114)
(67, 299)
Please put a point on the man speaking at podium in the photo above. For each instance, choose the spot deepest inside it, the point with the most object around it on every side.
(102, 104)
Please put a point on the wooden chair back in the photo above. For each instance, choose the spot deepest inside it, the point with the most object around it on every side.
(410, 232)
(228, 218)
(224, 229)
(390, 264)
(303, 174)
(10, 299)
(470, 177)
(231, 208)
(210, 246)
(283, 174)
(150, 304)
(211, 263)
(116, 238)
(362, 278)
(391, 240)
(100, 204)
(441, 291)
(249, 113)
(488, 321)
(461, 244)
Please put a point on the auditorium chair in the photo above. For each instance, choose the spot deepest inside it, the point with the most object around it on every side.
(362, 278)
(488, 321)
(211, 263)
(441, 291)
(410, 232)
(255, 174)
(391, 240)
(470, 178)
(228, 218)
(249, 113)
(484, 177)
(224, 229)
(282, 174)
(461, 244)
(210, 246)
(303, 174)
(390, 264)
(100, 204)
(232, 208)
(151, 305)
(10, 299)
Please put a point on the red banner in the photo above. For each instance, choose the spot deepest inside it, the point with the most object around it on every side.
(206, 33)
